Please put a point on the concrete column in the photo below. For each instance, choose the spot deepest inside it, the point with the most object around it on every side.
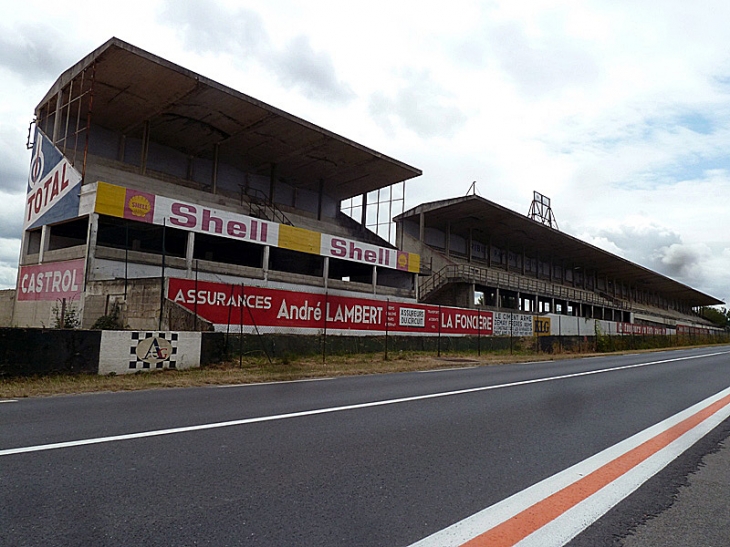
(45, 237)
(448, 238)
(326, 269)
(189, 248)
(214, 181)
(265, 265)
(469, 245)
(421, 227)
(272, 182)
(375, 279)
(498, 298)
(91, 246)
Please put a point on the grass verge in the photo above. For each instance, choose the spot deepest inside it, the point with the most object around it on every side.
(258, 370)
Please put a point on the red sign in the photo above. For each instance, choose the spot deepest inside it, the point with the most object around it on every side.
(643, 330)
(236, 305)
(51, 281)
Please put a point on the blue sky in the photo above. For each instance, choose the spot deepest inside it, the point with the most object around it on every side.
(616, 110)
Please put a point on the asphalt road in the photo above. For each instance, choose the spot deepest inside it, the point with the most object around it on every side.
(383, 460)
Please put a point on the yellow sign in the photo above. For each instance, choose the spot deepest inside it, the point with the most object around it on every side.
(542, 326)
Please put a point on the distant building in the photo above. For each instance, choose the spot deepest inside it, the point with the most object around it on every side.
(478, 251)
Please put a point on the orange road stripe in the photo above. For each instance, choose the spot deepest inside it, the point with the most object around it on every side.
(535, 517)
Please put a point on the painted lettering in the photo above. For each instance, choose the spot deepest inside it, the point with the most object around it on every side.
(187, 212)
(339, 247)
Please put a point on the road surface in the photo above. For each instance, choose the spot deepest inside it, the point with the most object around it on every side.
(436, 458)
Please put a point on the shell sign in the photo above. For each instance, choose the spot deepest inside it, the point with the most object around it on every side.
(131, 204)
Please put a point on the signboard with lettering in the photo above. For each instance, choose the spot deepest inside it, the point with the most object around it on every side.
(51, 281)
(143, 207)
(53, 185)
(293, 311)
(542, 326)
(512, 324)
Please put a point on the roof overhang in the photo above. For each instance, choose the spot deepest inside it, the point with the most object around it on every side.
(133, 89)
(489, 222)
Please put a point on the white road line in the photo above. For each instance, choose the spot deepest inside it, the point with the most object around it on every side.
(9, 401)
(565, 527)
(301, 414)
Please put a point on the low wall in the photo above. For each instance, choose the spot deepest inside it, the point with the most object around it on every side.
(37, 352)
(31, 352)
(125, 352)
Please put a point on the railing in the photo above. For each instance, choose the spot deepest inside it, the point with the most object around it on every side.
(505, 280)
(261, 207)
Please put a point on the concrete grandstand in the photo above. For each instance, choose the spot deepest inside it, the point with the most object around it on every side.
(480, 253)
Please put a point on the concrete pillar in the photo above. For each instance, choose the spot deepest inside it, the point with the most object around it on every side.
(214, 182)
(469, 245)
(189, 250)
(448, 238)
(45, 237)
(421, 227)
(93, 233)
(265, 265)
(375, 279)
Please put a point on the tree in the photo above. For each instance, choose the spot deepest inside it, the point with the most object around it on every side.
(719, 316)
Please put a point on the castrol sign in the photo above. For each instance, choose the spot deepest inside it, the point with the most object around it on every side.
(51, 281)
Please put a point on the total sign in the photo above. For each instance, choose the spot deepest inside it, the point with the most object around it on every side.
(52, 185)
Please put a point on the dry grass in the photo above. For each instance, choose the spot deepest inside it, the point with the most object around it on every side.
(257, 370)
(249, 371)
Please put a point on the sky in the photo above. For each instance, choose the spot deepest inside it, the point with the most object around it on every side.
(616, 110)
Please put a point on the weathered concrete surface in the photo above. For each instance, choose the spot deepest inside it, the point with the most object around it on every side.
(701, 514)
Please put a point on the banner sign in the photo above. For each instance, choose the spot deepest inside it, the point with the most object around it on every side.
(291, 310)
(51, 281)
(642, 330)
(512, 324)
(693, 331)
(53, 185)
(143, 207)
(542, 326)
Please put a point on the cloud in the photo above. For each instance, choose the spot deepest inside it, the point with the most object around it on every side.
(209, 28)
(420, 105)
(240, 33)
(543, 66)
(13, 166)
(33, 51)
(656, 247)
(684, 262)
(311, 71)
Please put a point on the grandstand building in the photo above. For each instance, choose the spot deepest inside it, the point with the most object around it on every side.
(479, 253)
(159, 194)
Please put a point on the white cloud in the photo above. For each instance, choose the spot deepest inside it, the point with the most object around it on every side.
(617, 110)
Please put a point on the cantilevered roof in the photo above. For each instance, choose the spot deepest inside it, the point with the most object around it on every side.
(488, 221)
(193, 114)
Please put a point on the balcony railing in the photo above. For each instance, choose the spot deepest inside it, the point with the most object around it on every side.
(455, 273)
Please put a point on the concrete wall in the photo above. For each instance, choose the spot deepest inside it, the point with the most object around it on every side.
(127, 352)
(7, 300)
(30, 352)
